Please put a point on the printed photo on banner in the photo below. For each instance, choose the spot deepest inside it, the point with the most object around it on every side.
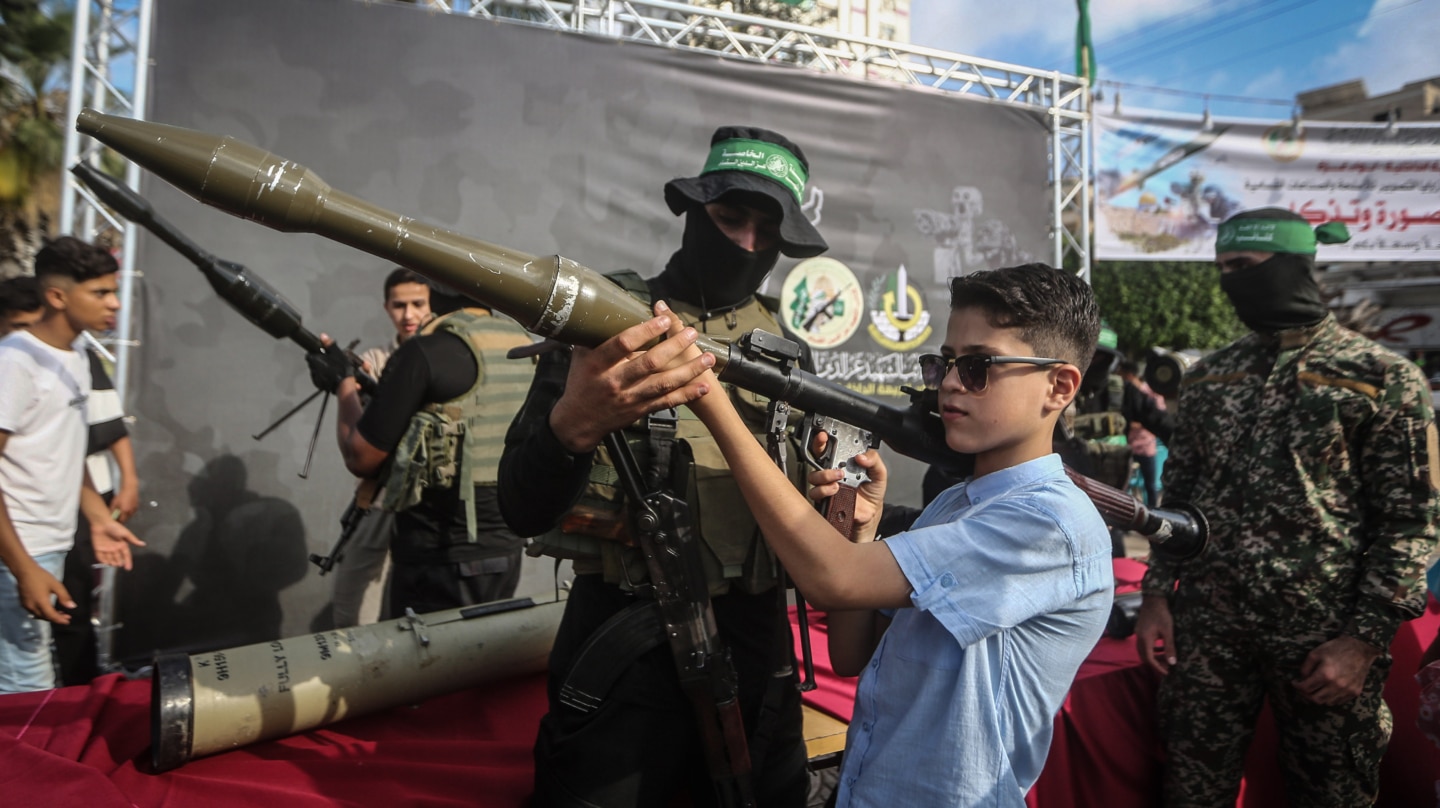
(1164, 183)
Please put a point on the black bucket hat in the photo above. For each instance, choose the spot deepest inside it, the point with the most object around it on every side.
(747, 158)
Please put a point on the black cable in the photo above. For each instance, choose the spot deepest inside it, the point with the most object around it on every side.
(1245, 99)
(1136, 55)
(1289, 41)
(1165, 21)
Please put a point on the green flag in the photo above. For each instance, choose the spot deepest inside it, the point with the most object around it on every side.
(1084, 47)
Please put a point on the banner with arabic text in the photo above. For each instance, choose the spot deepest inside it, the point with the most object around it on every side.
(1164, 183)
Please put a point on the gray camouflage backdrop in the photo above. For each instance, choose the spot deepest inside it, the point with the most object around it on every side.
(544, 141)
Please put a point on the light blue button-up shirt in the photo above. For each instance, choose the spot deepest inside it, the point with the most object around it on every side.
(1012, 584)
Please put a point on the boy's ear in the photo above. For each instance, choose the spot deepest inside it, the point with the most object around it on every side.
(1063, 387)
(54, 296)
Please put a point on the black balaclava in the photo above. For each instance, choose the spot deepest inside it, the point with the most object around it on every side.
(711, 271)
(1279, 293)
(1276, 294)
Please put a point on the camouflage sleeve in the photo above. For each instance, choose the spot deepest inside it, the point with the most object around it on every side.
(1399, 475)
(1182, 470)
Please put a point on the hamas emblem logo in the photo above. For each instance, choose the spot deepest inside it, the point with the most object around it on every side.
(898, 319)
(821, 302)
(1283, 143)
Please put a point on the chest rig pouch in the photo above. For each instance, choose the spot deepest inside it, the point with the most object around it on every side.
(459, 442)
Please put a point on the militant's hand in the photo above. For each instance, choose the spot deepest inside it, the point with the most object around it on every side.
(618, 382)
(1334, 672)
(330, 367)
(1155, 623)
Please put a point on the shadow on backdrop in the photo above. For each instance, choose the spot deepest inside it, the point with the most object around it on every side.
(220, 586)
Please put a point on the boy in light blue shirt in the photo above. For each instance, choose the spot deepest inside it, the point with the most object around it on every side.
(968, 629)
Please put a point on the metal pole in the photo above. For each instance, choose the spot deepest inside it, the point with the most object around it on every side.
(76, 102)
(1057, 171)
(128, 274)
(98, 98)
(1087, 147)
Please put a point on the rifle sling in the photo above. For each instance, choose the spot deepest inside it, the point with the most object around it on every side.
(605, 656)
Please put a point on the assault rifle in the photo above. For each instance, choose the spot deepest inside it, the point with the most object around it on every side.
(665, 534)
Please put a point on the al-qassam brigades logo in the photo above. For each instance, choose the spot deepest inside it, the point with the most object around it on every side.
(822, 302)
(898, 319)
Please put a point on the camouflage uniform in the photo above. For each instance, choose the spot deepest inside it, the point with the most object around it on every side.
(1312, 453)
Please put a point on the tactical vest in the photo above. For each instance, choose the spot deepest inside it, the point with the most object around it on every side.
(595, 534)
(459, 442)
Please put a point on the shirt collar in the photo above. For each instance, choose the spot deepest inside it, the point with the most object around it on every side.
(998, 482)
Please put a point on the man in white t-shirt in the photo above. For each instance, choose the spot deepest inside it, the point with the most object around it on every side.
(44, 387)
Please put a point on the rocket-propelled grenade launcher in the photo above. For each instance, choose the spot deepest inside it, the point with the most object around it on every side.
(550, 296)
(246, 292)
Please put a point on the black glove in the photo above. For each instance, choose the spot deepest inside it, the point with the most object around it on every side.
(330, 367)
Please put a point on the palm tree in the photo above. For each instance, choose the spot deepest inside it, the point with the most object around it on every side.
(34, 41)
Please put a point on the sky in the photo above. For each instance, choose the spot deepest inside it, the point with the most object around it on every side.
(1269, 49)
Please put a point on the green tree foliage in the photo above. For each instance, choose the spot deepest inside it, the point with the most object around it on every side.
(1167, 304)
(33, 43)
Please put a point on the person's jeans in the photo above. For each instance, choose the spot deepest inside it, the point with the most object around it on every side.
(26, 663)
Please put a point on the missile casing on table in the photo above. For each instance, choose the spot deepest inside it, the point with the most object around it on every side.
(553, 297)
(220, 700)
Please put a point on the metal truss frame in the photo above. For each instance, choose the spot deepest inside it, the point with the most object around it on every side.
(108, 56)
(1063, 100)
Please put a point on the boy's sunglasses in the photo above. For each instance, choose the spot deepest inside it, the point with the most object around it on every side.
(973, 369)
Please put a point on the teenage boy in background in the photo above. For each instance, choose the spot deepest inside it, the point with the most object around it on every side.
(44, 389)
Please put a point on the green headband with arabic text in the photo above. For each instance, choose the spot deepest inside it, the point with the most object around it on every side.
(758, 157)
(1277, 236)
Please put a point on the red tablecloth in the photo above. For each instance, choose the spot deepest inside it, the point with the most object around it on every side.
(1106, 752)
(89, 746)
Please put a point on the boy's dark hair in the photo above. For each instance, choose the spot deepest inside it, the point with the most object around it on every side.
(400, 275)
(69, 257)
(1054, 311)
(1129, 366)
(20, 293)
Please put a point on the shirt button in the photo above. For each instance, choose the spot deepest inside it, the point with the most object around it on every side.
(947, 580)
